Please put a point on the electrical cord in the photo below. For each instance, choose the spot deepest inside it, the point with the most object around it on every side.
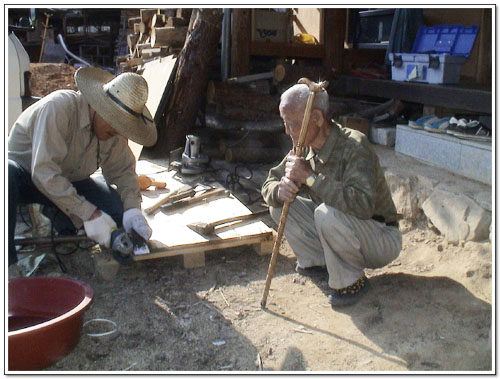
(53, 245)
(232, 181)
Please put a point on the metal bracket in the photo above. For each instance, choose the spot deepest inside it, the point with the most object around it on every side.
(397, 61)
(433, 61)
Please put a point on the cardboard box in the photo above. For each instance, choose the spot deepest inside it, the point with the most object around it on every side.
(269, 26)
(356, 123)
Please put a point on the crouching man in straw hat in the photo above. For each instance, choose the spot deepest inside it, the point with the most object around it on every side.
(58, 142)
(342, 218)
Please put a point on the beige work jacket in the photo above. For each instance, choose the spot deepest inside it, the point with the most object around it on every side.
(53, 140)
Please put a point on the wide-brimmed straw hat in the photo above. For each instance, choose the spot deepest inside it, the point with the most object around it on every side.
(120, 101)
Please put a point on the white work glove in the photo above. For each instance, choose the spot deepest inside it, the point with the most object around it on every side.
(134, 219)
(99, 229)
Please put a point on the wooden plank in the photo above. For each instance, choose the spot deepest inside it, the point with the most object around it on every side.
(449, 96)
(240, 42)
(284, 50)
(204, 247)
(157, 74)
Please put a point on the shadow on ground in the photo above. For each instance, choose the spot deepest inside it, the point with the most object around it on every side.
(431, 323)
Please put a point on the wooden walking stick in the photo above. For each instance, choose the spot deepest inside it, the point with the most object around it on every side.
(313, 88)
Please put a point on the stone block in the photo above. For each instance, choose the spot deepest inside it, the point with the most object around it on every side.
(470, 159)
(383, 136)
(457, 217)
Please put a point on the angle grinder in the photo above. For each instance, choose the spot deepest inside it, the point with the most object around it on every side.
(125, 245)
(193, 162)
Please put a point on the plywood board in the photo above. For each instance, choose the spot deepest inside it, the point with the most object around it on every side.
(170, 230)
(157, 74)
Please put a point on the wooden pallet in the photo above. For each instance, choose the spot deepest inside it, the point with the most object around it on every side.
(172, 237)
(194, 254)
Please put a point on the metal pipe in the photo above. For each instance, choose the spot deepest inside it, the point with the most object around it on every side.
(226, 37)
(49, 240)
(61, 40)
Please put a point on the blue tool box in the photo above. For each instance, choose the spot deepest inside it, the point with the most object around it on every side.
(437, 55)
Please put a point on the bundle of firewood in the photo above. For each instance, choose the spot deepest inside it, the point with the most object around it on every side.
(156, 33)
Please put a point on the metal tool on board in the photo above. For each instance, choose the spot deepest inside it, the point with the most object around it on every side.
(193, 162)
(208, 229)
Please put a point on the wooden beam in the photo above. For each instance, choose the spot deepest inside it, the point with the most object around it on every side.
(240, 42)
(202, 247)
(334, 36)
(484, 69)
(449, 96)
(284, 50)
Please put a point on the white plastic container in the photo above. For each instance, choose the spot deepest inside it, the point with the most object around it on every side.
(427, 68)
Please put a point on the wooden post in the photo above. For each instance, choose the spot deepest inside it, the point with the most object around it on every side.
(334, 36)
(190, 82)
(240, 42)
(483, 72)
(44, 38)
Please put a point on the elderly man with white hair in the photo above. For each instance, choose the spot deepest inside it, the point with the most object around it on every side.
(342, 218)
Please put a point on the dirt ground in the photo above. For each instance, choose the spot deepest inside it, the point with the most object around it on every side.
(48, 77)
(429, 310)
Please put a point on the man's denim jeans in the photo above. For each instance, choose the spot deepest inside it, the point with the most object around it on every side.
(23, 191)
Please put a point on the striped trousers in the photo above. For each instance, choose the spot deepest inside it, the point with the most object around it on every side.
(322, 235)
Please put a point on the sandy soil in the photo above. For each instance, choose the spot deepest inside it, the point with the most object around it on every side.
(48, 77)
(429, 310)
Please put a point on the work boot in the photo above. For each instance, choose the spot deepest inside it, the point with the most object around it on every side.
(349, 295)
(312, 272)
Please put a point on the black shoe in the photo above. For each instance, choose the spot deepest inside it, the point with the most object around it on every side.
(472, 130)
(452, 125)
(312, 272)
(349, 295)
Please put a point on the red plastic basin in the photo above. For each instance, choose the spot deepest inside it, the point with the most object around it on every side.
(45, 320)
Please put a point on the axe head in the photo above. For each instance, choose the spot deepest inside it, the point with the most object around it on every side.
(202, 228)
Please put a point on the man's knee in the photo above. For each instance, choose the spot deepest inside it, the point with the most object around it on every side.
(325, 215)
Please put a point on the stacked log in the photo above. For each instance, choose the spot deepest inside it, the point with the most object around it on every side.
(155, 33)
